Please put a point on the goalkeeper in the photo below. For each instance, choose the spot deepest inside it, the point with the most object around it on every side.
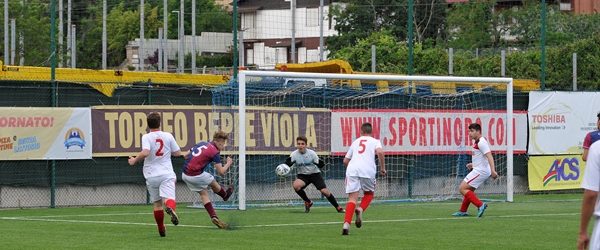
(308, 167)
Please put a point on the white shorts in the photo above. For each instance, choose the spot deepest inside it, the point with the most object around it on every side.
(161, 187)
(355, 184)
(199, 182)
(476, 178)
(595, 237)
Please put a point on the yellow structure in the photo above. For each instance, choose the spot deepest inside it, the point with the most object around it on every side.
(106, 81)
(343, 67)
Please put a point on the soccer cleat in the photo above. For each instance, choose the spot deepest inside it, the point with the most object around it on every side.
(174, 217)
(229, 192)
(219, 223)
(340, 210)
(358, 221)
(307, 206)
(460, 214)
(345, 228)
(482, 210)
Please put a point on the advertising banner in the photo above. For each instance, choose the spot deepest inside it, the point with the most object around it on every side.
(45, 133)
(410, 132)
(559, 121)
(269, 130)
(555, 172)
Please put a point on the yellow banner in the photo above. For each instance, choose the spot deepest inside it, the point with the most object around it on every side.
(555, 172)
(45, 133)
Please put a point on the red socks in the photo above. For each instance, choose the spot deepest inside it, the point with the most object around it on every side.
(366, 200)
(350, 206)
(465, 204)
(222, 192)
(159, 216)
(470, 196)
(210, 209)
(170, 203)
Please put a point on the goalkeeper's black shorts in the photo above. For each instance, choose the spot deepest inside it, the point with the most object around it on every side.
(316, 179)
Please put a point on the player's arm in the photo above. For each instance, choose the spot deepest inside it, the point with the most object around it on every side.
(142, 154)
(490, 160)
(317, 161)
(586, 146)
(381, 157)
(587, 209)
(346, 161)
(222, 169)
(139, 157)
(348, 156)
(289, 161)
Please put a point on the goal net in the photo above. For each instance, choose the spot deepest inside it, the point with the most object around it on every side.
(421, 121)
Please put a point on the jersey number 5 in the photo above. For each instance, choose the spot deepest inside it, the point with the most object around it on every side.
(194, 153)
(161, 144)
(362, 147)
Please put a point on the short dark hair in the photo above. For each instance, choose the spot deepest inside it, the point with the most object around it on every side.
(220, 135)
(153, 120)
(302, 138)
(366, 128)
(475, 126)
(598, 115)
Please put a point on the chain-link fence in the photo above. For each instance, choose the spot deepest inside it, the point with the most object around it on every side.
(101, 180)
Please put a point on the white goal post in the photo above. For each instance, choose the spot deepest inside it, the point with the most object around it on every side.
(241, 138)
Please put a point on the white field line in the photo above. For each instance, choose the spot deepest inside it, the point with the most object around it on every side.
(287, 224)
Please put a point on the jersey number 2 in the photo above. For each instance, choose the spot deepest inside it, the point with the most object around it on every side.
(362, 146)
(159, 152)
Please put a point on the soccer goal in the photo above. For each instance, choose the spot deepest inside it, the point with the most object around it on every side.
(421, 121)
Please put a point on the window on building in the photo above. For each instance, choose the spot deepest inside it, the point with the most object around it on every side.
(312, 17)
(248, 20)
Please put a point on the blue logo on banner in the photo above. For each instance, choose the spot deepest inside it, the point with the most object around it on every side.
(74, 137)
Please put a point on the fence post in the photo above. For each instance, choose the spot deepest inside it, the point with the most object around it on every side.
(503, 63)
(54, 94)
(149, 101)
(574, 71)
(450, 61)
(373, 59)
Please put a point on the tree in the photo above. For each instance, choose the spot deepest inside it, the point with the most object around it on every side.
(428, 18)
(358, 19)
(469, 24)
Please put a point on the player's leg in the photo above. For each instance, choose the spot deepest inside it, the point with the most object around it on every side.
(152, 185)
(467, 188)
(159, 217)
(368, 187)
(205, 198)
(463, 188)
(595, 237)
(352, 188)
(167, 192)
(299, 184)
(320, 185)
(220, 190)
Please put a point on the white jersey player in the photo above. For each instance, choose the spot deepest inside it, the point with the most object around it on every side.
(157, 148)
(591, 203)
(360, 174)
(482, 167)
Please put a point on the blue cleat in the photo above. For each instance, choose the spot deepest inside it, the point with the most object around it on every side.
(460, 214)
(482, 209)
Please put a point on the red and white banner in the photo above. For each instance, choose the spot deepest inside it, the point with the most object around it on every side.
(409, 132)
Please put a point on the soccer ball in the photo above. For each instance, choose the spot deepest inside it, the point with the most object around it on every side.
(282, 170)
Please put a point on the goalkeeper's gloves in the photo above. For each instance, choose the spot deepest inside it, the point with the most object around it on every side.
(289, 162)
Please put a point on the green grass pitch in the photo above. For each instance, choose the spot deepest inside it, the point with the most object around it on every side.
(531, 222)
